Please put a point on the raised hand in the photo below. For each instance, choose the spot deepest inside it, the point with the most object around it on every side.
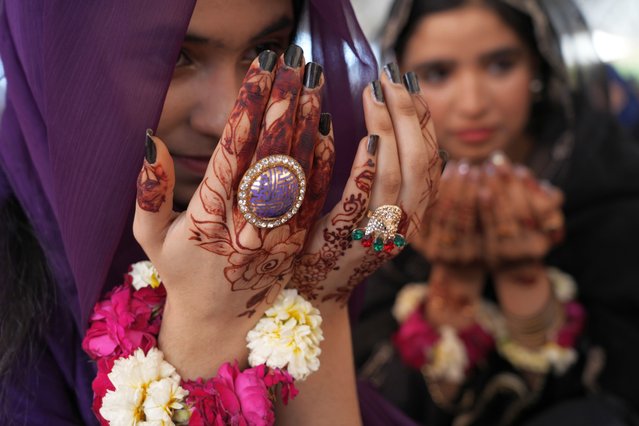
(216, 265)
(521, 218)
(397, 164)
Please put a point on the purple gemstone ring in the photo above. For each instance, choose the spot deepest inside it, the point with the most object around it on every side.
(271, 191)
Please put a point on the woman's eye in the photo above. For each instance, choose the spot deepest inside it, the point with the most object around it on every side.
(500, 66)
(433, 75)
(184, 59)
(252, 53)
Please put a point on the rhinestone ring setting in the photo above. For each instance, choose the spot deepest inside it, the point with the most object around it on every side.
(272, 191)
(381, 230)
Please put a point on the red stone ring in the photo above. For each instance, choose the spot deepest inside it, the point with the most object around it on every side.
(272, 191)
(381, 230)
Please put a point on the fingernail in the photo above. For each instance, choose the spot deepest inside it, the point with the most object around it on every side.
(371, 147)
(267, 59)
(498, 158)
(376, 88)
(312, 74)
(325, 123)
(293, 56)
(392, 71)
(150, 149)
(411, 83)
(463, 168)
(444, 156)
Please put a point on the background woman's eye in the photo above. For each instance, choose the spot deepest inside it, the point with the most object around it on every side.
(433, 74)
(500, 66)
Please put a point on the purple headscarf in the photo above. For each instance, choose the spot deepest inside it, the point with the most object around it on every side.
(84, 82)
(85, 79)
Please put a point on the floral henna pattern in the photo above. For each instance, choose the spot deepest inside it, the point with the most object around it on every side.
(265, 267)
(312, 269)
(411, 225)
(316, 189)
(152, 187)
(280, 114)
(370, 264)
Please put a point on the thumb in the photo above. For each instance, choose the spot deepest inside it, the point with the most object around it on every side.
(154, 206)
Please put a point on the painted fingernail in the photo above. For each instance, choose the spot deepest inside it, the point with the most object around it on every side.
(293, 56)
(444, 156)
(312, 74)
(325, 123)
(371, 147)
(392, 71)
(150, 149)
(267, 59)
(376, 88)
(411, 83)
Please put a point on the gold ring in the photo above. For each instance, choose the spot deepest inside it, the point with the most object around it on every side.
(381, 230)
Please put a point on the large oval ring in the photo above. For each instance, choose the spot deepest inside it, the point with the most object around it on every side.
(272, 191)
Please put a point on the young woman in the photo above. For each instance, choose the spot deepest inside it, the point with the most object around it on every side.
(494, 82)
(84, 82)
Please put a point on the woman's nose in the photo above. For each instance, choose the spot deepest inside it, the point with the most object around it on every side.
(214, 100)
(472, 96)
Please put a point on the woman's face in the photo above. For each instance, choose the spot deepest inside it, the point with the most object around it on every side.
(475, 73)
(222, 40)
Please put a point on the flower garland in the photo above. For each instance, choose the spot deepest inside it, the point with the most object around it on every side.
(136, 386)
(558, 353)
(449, 354)
(440, 353)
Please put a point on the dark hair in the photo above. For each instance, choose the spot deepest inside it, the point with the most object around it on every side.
(544, 111)
(26, 293)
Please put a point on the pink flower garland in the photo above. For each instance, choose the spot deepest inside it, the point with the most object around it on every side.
(416, 338)
(128, 319)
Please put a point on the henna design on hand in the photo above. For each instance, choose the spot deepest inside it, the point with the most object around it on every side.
(313, 267)
(152, 187)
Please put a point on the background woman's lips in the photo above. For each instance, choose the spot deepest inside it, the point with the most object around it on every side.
(196, 164)
(475, 136)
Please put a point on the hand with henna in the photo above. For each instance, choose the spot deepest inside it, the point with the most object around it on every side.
(522, 220)
(217, 268)
(397, 164)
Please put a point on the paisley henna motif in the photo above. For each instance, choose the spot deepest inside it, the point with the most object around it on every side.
(152, 187)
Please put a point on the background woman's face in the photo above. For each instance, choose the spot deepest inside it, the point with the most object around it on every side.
(222, 40)
(475, 73)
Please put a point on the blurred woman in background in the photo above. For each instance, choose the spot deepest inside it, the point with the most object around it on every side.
(495, 82)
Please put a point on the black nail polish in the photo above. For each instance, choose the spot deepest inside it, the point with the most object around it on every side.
(150, 149)
(267, 59)
(392, 71)
(325, 123)
(293, 56)
(371, 147)
(411, 83)
(312, 74)
(444, 156)
(376, 88)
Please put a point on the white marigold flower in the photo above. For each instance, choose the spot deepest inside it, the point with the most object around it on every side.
(144, 274)
(288, 336)
(132, 377)
(448, 358)
(563, 284)
(408, 299)
(163, 399)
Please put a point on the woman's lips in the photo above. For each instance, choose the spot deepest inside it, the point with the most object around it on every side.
(475, 136)
(195, 163)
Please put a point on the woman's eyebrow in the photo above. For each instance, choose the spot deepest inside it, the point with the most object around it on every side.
(281, 23)
(507, 52)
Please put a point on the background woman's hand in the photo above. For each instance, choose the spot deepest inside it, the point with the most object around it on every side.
(397, 164)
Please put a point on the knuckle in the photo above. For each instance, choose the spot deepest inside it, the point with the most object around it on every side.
(390, 182)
